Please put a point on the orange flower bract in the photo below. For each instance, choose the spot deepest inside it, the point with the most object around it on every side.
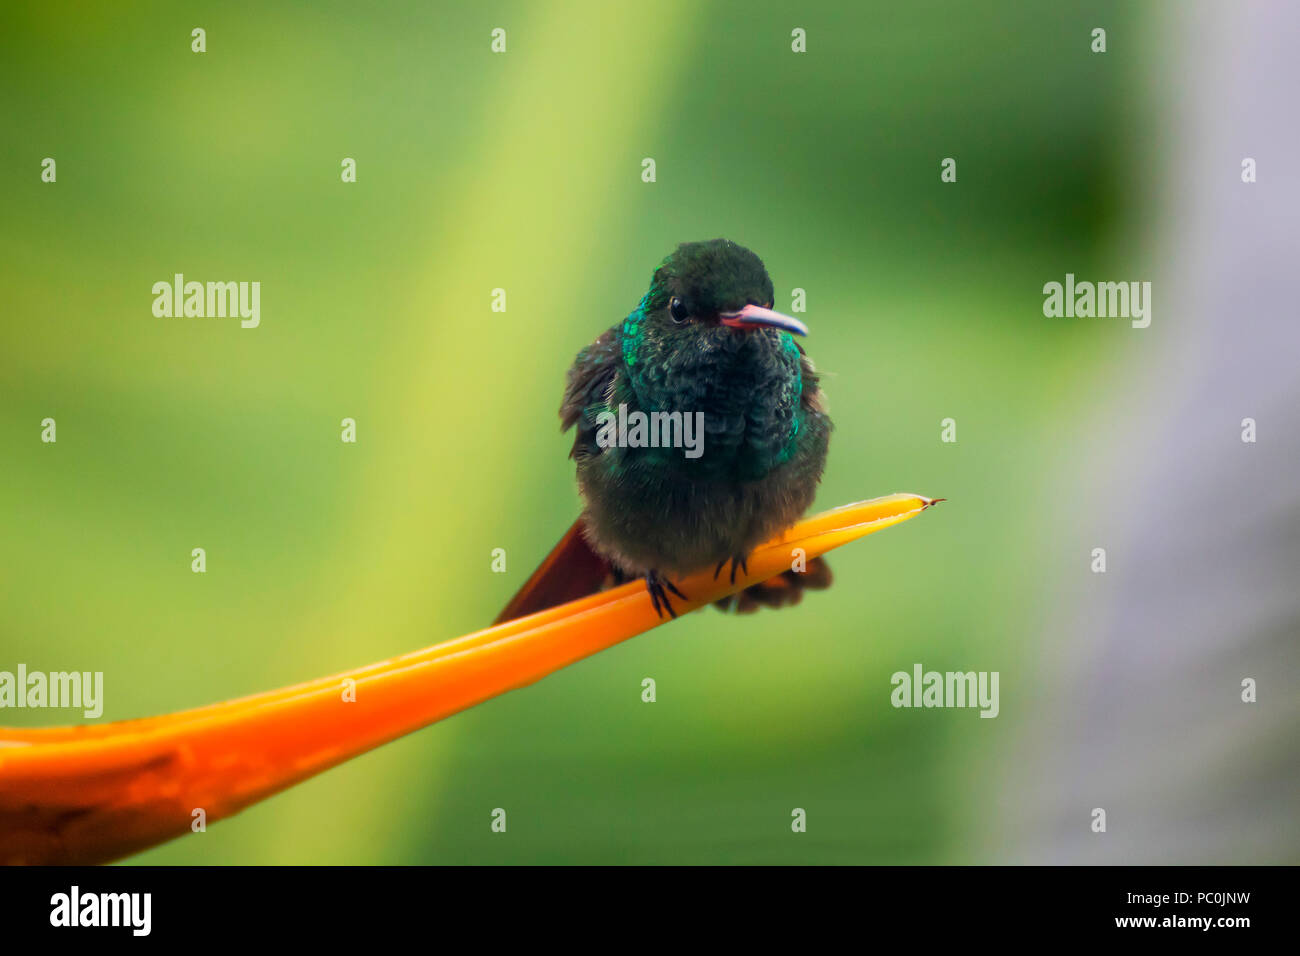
(93, 794)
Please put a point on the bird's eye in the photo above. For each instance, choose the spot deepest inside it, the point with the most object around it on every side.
(677, 309)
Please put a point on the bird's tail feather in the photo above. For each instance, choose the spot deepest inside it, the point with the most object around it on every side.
(573, 570)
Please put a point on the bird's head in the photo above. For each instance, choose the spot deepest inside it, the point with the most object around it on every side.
(705, 339)
(705, 293)
(708, 310)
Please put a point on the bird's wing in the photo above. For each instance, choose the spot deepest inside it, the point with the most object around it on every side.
(589, 381)
(572, 569)
(812, 398)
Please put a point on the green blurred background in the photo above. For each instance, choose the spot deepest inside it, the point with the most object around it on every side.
(523, 171)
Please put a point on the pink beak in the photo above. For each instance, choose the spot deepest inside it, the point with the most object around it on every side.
(755, 316)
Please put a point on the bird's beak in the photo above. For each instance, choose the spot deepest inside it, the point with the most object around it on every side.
(752, 316)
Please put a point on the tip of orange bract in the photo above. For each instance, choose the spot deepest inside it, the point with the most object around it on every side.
(91, 794)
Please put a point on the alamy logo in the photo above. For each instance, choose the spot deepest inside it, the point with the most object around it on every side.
(923, 688)
(79, 689)
(1103, 300)
(656, 430)
(74, 908)
(213, 300)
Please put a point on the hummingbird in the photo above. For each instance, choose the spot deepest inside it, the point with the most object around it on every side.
(705, 344)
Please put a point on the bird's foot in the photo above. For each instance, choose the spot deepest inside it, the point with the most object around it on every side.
(658, 585)
(737, 561)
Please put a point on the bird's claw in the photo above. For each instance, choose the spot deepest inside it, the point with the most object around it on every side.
(658, 585)
(737, 561)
